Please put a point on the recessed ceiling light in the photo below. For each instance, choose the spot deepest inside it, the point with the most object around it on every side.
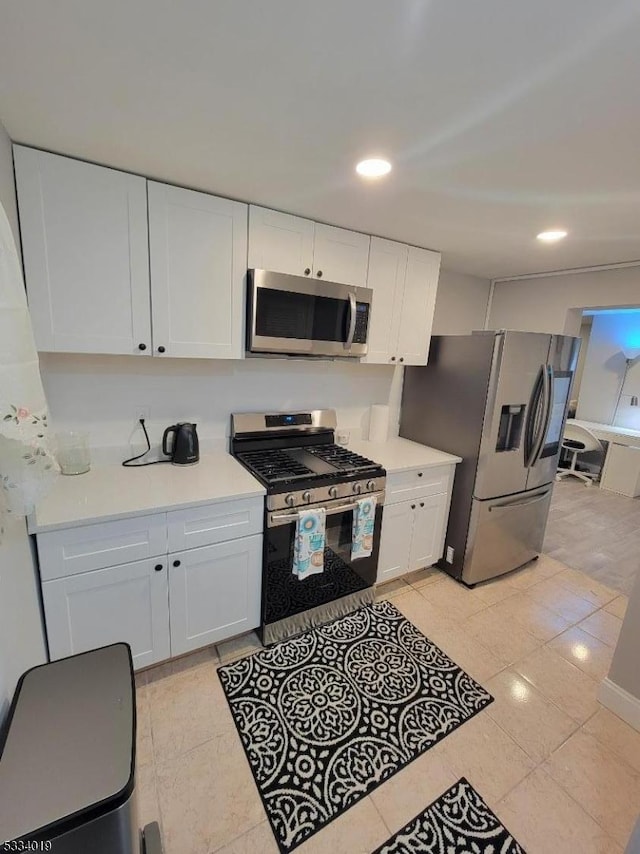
(551, 236)
(375, 167)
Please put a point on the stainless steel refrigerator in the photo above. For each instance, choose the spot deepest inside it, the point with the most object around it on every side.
(499, 400)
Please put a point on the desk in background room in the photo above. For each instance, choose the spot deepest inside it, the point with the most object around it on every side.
(621, 467)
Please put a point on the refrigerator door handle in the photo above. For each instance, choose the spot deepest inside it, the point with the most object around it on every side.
(532, 438)
(549, 377)
(544, 419)
(526, 503)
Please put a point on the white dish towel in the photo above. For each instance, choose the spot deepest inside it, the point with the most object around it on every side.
(308, 549)
(364, 518)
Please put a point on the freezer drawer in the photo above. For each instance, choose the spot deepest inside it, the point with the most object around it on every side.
(505, 533)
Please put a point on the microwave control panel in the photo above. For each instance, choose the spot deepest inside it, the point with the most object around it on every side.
(362, 323)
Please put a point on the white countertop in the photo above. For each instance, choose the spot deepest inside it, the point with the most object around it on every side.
(400, 454)
(110, 492)
(114, 492)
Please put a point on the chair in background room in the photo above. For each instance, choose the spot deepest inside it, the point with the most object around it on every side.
(578, 440)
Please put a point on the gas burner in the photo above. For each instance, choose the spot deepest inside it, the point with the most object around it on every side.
(296, 452)
(274, 466)
(342, 458)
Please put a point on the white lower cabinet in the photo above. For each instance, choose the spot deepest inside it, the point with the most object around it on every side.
(413, 529)
(161, 606)
(128, 603)
(214, 592)
(395, 541)
(427, 537)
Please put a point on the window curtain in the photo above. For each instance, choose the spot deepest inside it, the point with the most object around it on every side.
(27, 466)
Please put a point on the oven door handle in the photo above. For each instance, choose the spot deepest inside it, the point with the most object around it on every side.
(283, 518)
(352, 321)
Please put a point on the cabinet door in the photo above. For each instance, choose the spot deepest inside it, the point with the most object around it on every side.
(122, 603)
(387, 270)
(340, 255)
(214, 592)
(198, 249)
(418, 305)
(280, 242)
(395, 541)
(427, 541)
(86, 254)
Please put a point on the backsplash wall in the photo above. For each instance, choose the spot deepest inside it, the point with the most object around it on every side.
(103, 395)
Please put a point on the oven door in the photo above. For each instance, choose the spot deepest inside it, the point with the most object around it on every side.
(291, 605)
(296, 316)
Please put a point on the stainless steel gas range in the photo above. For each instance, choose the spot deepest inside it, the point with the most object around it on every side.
(294, 455)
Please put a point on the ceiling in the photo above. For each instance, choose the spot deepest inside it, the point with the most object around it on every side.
(501, 118)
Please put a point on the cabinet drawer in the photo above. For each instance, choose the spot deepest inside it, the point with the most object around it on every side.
(214, 523)
(417, 483)
(74, 550)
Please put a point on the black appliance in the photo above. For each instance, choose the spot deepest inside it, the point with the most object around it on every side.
(67, 759)
(295, 457)
(185, 448)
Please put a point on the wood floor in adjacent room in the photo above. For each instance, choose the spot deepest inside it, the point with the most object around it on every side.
(595, 531)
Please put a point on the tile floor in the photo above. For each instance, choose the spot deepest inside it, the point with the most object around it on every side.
(562, 772)
(595, 531)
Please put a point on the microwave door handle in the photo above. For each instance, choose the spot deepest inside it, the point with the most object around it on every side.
(352, 321)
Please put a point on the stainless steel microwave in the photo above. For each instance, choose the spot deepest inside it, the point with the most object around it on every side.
(294, 316)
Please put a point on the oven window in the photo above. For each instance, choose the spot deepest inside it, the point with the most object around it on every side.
(284, 595)
(286, 314)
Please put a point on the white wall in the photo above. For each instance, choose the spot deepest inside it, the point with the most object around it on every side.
(624, 668)
(604, 369)
(21, 636)
(585, 335)
(103, 394)
(554, 303)
(7, 183)
(461, 305)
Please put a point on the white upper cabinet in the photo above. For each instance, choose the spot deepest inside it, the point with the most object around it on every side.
(283, 243)
(340, 255)
(198, 254)
(387, 270)
(418, 305)
(280, 242)
(85, 246)
(404, 280)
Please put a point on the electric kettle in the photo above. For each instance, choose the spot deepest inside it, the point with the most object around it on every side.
(185, 449)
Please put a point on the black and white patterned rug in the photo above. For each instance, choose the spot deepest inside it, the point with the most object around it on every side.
(327, 716)
(458, 822)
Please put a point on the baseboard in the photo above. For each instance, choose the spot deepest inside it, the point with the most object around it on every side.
(620, 702)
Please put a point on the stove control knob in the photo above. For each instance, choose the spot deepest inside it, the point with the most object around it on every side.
(371, 485)
(333, 492)
(357, 488)
(290, 500)
(306, 496)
